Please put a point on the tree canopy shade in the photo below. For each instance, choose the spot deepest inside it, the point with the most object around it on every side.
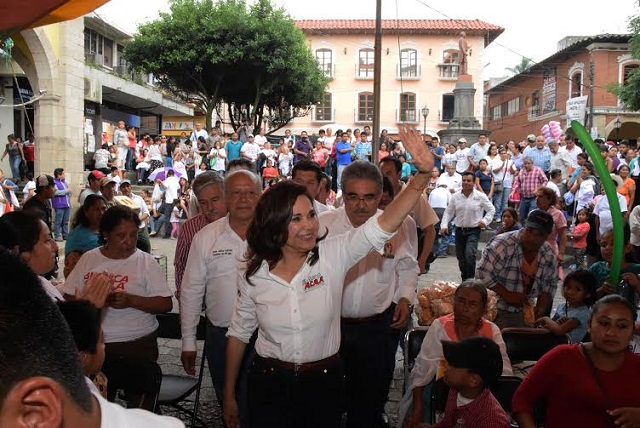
(253, 58)
(629, 90)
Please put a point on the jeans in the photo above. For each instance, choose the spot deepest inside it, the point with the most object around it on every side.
(215, 352)
(526, 206)
(168, 209)
(61, 224)
(282, 398)
(14, 163)
(497, 201)
(466, 248)
(362, 350)
(340, 169)
(156, 223)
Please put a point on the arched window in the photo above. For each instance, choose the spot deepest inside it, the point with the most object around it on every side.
(407, 107)
(365, 107)
(408, 63)
(576, 85)
(324, 57)
(365, 62)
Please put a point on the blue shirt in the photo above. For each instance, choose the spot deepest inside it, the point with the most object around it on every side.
(233, 149)
(580, 314)
(541, 158)
(406, 170)
(343, 158)
(362, 150)
(81, 239)
(440, 152)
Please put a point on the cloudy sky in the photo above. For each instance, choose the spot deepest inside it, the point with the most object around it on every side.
(532, 28)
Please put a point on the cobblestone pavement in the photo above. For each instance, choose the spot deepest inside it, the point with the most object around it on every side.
(442, 269)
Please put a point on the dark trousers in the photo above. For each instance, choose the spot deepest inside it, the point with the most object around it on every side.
(130, 162)
(168, 209)
(363, 349)
(143, 243)
(282, 398)
(466, 248)
(216, 351)
(526, 206)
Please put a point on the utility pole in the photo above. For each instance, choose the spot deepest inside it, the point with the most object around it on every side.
(377, 67)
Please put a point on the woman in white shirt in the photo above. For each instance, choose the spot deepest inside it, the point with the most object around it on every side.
(292, 292)
(138, 291)
(218, 158)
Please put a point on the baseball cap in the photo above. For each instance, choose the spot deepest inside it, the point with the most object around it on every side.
(250, 136)
(98, 175)
(462, 140)
(44, 180)
(107, 180)
(540, 220)
(531, 137)
(479, 355)
(125, 181)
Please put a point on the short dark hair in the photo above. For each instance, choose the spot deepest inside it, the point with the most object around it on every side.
(468, 173)
(170, 173)
(307, 165)
(81, 215)
(116, 215)
(241, 163)
(34, 339)
(58, 172)
(588, 282)
(387, 187)
(395, 161)
(554, 173)
(613, 299)
(84, 320)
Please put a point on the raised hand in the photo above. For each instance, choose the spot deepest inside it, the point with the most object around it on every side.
(412, 140)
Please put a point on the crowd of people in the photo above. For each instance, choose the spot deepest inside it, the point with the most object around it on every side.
(305, 257)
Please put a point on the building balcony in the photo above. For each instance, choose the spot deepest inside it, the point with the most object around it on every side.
(408, 73)
(407, 116)
(449, 71)
(363, 73)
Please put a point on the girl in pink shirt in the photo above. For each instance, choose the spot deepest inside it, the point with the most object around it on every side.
(579, 236)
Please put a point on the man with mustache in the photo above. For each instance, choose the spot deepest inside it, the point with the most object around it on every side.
(377, 298)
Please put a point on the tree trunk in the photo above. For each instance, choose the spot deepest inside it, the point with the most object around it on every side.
(234, 125)
(256, 101)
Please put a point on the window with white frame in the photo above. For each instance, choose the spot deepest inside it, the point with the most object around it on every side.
(365, 106)
(450, 56)
(513, 106)
(325, 61)
(365, 62)
(496, 112)
(576, 84)
(407, 107)
(324, 109)
(409, 63)
(628, 70)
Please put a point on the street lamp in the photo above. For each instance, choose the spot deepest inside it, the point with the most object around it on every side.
(425, 113)
(617, 124)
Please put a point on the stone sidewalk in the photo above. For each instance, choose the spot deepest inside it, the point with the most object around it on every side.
(442, 269)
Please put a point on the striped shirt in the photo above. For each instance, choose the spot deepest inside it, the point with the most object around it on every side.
(187, 232)
(501, 263)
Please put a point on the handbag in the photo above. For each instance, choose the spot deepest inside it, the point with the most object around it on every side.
(499, 187)
(514, 198)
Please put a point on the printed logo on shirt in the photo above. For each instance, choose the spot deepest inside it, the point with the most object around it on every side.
(118, 282)
(313, 282)
(221, 253)
(389, 250)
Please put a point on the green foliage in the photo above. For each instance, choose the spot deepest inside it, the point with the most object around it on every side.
(252, 58)
(629, 93)
(524, 65)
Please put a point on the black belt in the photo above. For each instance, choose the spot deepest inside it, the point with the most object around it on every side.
(302, 367)
(468, 229)
(528, 197)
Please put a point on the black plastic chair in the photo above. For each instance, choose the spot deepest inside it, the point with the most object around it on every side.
(412, 343)
(175, 389)
(530, 344)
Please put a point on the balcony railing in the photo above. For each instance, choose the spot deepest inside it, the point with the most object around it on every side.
(364, 73)
(407, 116)
(408, 73)
(533, 113)
(449, 71)
(323, 117)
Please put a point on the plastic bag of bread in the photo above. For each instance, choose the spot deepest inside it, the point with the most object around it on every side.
(434, 301)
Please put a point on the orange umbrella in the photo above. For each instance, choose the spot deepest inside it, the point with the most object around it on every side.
(17, 15)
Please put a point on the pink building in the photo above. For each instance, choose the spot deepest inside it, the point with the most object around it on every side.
(419, 68)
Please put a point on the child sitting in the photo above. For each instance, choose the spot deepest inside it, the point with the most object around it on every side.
(572, 316)
(473, 364)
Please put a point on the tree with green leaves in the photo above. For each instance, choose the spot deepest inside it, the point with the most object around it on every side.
(252, 58)
(629, 91)
(524, 65)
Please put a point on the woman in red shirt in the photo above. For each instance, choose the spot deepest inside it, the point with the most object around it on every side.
(587, 385)
(320, 155)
